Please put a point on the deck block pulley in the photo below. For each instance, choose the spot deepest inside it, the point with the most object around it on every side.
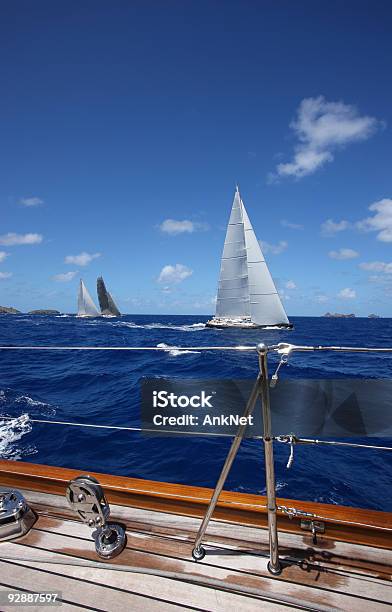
(86, 497)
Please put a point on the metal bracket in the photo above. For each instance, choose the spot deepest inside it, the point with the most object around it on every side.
(86, 497)
(16, 517)
(294, 513)
(314, 526)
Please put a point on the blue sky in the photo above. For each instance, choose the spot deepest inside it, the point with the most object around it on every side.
(124, 127)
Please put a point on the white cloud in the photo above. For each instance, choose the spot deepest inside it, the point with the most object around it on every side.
(174, 227)
(377, 266)
(28, 202)
(83, 259)
(321, 127)
(3, 256)
(343, 254)
(290, 285)
(381, 222)
(284, 295)
(12, 239)
(275, 249)
(4, 275)
(347, 294)
(65, 277)
(293, 226)
(330, 227)
(174, 274)
(321, 298)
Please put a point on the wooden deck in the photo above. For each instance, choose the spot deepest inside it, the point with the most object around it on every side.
(156, 570)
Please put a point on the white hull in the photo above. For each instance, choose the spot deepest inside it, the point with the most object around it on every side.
(225, 323)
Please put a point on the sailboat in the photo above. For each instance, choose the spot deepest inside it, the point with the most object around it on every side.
(106, 302)
(247, 296)
(86, 306)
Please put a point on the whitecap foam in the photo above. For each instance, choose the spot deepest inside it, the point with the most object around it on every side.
(25, 399)
(186, 328)
(11, 400)
(11, 431)
(174, 351)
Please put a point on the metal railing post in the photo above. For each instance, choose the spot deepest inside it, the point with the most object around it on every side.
(274, 565)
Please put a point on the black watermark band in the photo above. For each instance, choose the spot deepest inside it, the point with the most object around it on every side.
(343, 408)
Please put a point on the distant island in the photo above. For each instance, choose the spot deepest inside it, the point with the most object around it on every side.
(44, 312)
(351, 315)
(340, 315)
(10, 310)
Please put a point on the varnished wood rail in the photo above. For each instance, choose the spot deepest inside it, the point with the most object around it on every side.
(346, 524)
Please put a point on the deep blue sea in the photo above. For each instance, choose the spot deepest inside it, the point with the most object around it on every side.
(103, 388)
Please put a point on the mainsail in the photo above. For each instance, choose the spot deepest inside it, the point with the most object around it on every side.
(247, 295)
(86, 306)
(106, 302)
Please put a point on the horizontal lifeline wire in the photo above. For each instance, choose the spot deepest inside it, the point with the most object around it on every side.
(118, 427)
(282, 439)
(283, 347)
(294, 440)
(165, 349)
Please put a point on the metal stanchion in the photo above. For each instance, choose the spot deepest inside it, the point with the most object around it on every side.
(274, 566)
(261, 389)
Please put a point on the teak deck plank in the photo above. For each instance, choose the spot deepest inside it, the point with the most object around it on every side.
(184, 527)
(74, 589)
(31, 608)
(315, 573)
(318, 595)
(152, 588)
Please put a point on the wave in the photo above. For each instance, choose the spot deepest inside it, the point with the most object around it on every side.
(10, 399)
(174, 351)
(186, 328)
(11, 431)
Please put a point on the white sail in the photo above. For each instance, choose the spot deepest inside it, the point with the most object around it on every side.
(86, 306)
(266, 307)
(246, 292)
(233, 291)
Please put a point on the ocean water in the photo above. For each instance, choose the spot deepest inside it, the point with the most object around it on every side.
(103, 388)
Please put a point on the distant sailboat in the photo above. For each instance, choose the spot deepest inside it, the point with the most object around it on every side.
(247, 296)
(106, 302)
(86, 306)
